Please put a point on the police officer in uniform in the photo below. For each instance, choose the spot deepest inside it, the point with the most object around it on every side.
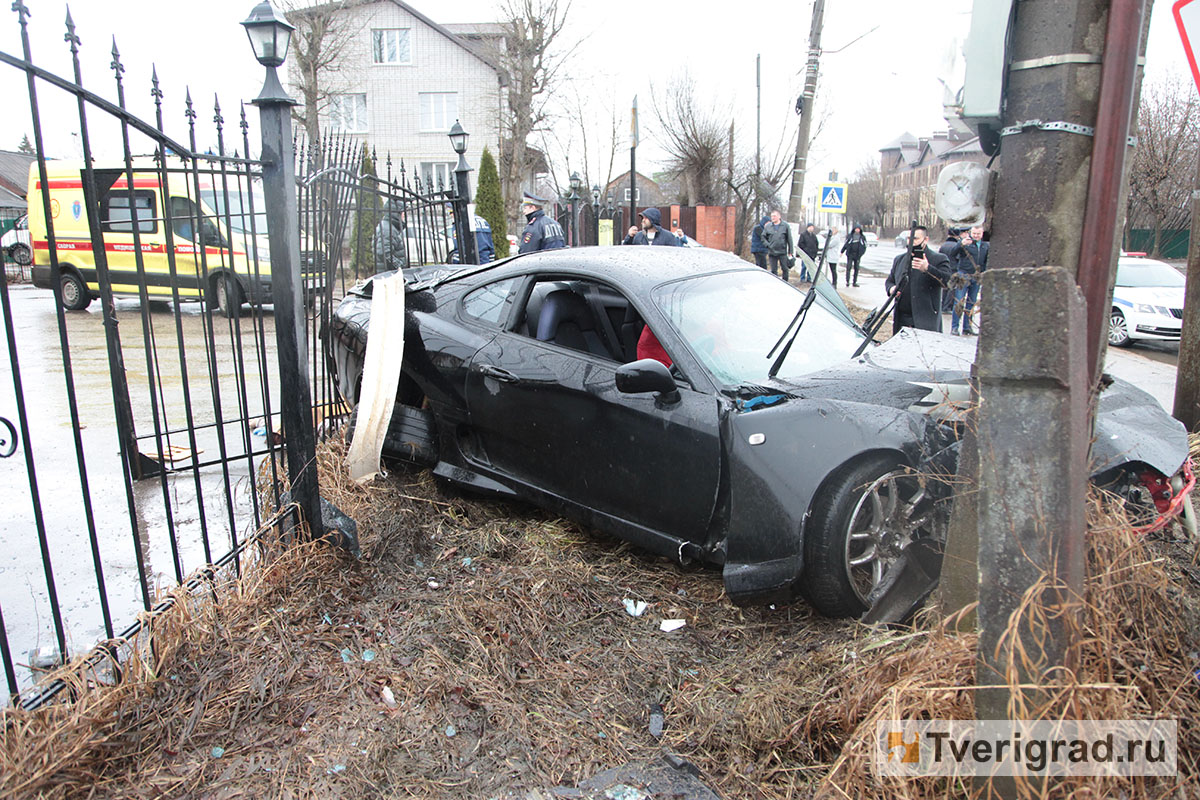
(542, 232)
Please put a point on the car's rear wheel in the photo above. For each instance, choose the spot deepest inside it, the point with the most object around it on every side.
(1118, 329)
(21, 254)
(864, 517)
(74, 292)
(227, 293)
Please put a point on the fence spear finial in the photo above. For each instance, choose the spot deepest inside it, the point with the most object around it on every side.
(116, 64)
(70, 36)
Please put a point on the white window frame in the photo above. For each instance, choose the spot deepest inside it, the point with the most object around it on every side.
(379, 53)
(433, 168)
(639, 195)
(337, 113)
(436, 115)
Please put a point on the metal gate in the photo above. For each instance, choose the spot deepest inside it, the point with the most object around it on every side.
(146, 385)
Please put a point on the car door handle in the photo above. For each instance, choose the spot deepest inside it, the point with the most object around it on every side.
(502, 375)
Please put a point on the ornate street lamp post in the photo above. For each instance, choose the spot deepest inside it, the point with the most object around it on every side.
(462, 212)
(596, 211)
(575, 183)
(270, 35)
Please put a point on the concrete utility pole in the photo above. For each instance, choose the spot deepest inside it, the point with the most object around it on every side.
(1069, 98)
(800, 166)
(1187, 376)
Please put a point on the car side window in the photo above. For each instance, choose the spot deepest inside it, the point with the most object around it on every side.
(490, 303)
(119, 215)
(582, 315)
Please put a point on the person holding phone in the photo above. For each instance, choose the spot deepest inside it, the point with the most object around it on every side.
(918, 275)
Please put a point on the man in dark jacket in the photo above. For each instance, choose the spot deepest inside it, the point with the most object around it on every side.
(652, 231)
(390, 242)
(855, 246)
(970, 257)
(919, 279)
(756, 243)
(541, 232)
(777, 235)
(811, 246)
(947, 249)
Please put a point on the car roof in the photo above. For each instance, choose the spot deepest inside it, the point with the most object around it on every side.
(635, 267)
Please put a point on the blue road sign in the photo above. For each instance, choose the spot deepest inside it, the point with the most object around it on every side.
(832, 197)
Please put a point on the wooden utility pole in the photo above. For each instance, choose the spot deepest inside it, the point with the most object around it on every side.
(808, 101)
(1187, 375)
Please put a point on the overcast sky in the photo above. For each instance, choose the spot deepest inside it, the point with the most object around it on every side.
(875, 89)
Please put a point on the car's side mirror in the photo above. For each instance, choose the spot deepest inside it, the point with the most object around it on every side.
(647, 375)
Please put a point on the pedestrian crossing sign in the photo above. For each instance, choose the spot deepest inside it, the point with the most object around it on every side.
(832, 197)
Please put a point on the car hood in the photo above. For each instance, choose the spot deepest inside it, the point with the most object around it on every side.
(927, 373)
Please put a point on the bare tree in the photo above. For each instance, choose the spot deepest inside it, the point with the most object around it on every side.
(696, 141)
(750, 190)
(1160, 177)
(530, 55)
(324, 31)
(866, 199)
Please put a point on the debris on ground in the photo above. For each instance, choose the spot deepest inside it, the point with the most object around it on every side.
(521, 669)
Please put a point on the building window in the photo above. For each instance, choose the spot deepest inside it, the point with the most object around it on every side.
(639, 195)
(437, 174)
(438, 110)
(348, 112)
(391, 46)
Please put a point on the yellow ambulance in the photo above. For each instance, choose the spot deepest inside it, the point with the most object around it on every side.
(219, 254)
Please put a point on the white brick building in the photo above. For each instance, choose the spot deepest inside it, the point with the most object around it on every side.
(402, 82)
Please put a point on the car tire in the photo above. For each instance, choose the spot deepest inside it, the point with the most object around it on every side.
(227, 295)
(1118, 329)
(74, 292)
(867, 512)
(21, 254)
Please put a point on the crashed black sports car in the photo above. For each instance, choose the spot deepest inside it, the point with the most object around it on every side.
(764, 448)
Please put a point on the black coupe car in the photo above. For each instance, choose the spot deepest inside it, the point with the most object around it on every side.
(752, 441)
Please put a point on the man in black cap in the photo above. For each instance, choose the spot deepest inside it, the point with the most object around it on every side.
(541, 232)
(652, 231)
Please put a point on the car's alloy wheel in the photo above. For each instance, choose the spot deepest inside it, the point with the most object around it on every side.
(21, 254)
(866, 515)
(75, 295)
(1118, 329)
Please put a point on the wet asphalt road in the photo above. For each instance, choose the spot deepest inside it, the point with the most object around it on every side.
(201, 505)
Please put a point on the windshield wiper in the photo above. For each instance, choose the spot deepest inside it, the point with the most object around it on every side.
(794, 326)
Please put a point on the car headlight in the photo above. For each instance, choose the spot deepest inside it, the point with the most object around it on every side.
(1144, 308)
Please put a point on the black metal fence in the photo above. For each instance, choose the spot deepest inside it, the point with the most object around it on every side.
(143, 382)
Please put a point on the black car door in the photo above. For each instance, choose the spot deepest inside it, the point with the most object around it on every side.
(551, 416)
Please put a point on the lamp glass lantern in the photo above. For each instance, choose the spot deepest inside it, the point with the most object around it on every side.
(458, 138)
(270, 34)
(576, 182)
(595, 194)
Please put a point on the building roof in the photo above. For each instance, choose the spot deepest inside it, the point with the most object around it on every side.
(905, 139)
(11, 199)
(442, 29)
(624, 178)
(14, 171)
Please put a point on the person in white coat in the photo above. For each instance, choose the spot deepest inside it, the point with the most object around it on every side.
(833, 253)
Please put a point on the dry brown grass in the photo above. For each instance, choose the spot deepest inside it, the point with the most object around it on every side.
(504, 627)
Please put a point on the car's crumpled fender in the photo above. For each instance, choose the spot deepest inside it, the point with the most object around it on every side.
(1132, 428)
(772, 483)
